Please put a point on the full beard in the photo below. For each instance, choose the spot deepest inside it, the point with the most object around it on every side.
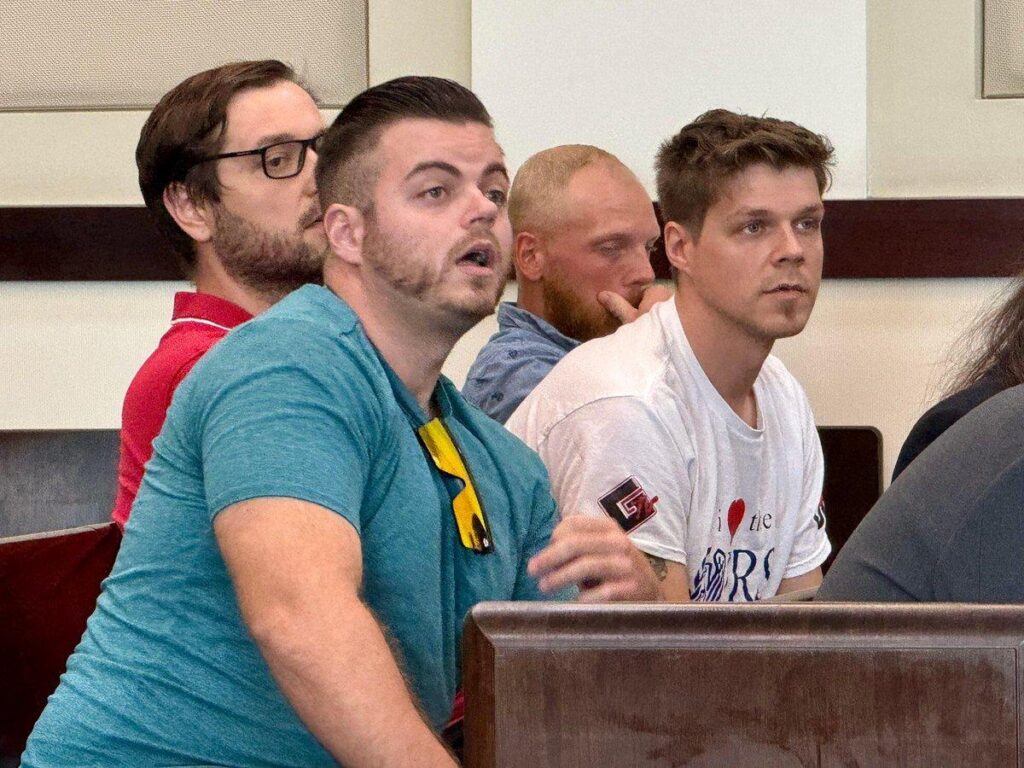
(573, 317)
(273, 264)
(421, 280)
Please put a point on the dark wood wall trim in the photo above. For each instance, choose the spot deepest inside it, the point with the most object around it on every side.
(969, 237)
(961, 237)
(83, 243)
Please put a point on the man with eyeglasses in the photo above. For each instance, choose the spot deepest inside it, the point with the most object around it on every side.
(226, 169)
(324, 507)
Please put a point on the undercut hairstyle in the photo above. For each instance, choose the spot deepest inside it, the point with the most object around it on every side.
(535, 196)
(187, 125)
(345, 170)
(693, 167)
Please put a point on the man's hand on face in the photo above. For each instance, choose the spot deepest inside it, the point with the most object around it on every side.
(596, 554)
(625, 312)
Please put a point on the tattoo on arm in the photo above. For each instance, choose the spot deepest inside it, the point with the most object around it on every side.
(659, 565)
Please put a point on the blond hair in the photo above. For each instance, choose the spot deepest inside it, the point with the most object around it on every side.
(534, 198)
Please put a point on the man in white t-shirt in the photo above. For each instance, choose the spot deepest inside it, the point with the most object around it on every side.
(682, 426)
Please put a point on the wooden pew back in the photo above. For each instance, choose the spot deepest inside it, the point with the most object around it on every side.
(752, 685)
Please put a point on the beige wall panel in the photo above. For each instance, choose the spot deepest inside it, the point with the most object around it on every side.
(420, 39)
(1003, 74)
(929, 131)
(111, 54)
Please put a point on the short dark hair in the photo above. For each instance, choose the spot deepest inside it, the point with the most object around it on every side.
(693, 165)
(343, 170)
(186, 125)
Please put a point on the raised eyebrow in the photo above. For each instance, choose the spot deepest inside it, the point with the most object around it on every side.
(434, 165)
(498, 168)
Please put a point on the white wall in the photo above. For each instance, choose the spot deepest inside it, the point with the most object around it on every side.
(626, 76)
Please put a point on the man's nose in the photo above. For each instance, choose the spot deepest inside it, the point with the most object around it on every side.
(481, 208)
(643, 271)
(790, 246)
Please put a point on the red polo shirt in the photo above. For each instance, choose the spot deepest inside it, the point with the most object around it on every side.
(199, 321)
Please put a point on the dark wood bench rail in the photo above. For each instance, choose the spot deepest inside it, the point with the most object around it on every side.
(751, 685)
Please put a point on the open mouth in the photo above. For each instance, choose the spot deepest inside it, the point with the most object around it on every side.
(481, 255)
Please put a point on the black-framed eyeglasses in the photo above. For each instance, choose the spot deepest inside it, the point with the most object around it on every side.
(281, 160)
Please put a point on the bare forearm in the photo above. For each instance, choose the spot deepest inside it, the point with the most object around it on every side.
(803, 581)
(674, 578)
(346, 687)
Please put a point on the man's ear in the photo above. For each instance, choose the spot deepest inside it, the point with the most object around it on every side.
(528, 256)
(679, 246)
(195, 219)
(345, 226)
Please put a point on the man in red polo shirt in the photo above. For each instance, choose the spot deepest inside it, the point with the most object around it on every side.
(226, 164)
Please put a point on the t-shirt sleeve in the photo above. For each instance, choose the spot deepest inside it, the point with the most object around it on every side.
(615, 457)
(293, 420)
(543, 518)
(810, 542)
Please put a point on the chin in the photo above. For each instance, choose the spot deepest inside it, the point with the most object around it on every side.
(785, 330)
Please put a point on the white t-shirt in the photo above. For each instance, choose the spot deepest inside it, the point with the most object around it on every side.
(630, 426)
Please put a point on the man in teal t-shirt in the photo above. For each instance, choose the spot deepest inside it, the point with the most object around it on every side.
(323, 507)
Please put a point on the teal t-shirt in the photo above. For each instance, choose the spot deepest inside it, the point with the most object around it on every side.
(295, 403)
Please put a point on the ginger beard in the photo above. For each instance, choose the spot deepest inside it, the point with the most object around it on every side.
(271, 263)
(575, 317)
(406, 265)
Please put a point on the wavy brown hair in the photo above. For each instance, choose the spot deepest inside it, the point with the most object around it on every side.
(693, 165)
(994, 344)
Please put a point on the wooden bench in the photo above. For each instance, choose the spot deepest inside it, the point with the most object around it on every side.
(748, 685)
(48, 588)
(56, 478)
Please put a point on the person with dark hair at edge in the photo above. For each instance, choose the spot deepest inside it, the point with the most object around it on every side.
(583, 228)
(949, 527)
(682, 426)
(323, 507)
(226, 161)
(993, 361)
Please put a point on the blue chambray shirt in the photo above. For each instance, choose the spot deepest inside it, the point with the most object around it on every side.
(513, 361)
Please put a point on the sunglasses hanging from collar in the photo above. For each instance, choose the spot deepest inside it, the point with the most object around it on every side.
(474, 530)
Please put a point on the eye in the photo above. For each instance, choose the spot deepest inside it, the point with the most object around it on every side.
(809, 225)
(497, 196)
(279, 156)
(754, 227)
(434, 193)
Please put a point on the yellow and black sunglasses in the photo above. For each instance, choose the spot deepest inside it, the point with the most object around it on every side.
(474, 530)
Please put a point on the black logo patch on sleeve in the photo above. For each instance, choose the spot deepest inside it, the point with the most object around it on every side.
(819, 516)
(628, 504)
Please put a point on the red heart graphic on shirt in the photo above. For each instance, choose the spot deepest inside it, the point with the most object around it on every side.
(736, 510)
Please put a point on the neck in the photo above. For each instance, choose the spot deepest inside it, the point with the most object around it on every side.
(210, 277)
(530, 296)
(412, 345)
(730, 357)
